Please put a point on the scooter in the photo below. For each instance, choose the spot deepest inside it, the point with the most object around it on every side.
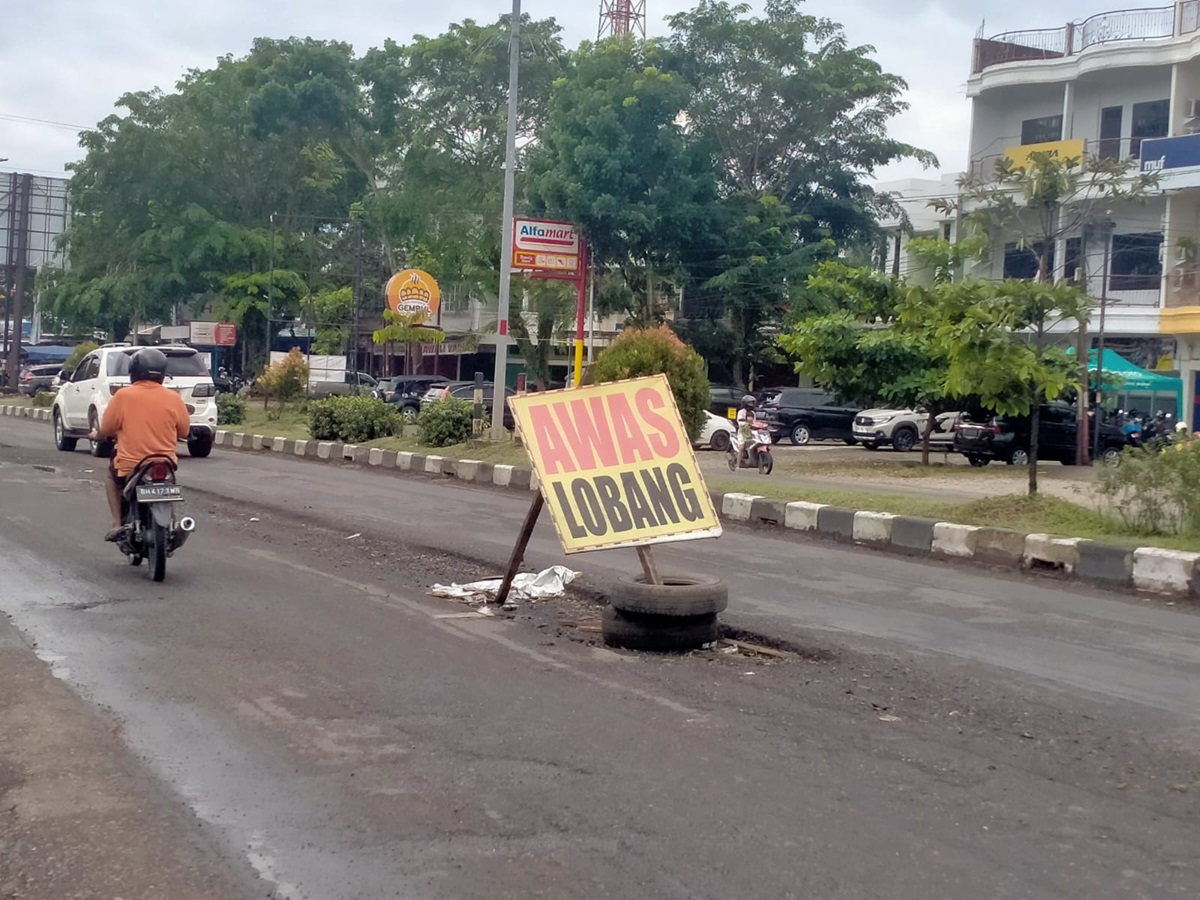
(148, 511)
(758, 456)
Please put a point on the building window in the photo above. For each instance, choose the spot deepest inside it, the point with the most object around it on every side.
(1022, 262)
(1041, 131)
(1110, 132)
(1150, 120)
(1074, 259)
(1136, 264)
(945, 231)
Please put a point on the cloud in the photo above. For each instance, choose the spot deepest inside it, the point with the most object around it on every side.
(76, 57)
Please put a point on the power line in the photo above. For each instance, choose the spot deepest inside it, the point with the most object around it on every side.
(48, 123)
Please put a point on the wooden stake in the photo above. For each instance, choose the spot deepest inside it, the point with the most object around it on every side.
(518, 554)
(646, 555)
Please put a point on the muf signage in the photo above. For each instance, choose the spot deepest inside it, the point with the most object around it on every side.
(1164, 154)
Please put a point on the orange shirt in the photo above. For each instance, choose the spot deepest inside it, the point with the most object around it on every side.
(146, 419)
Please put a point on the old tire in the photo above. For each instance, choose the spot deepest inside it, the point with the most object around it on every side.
(61, 441)
(904, 439)
(679, 595)
(800, 435)
(659, 634)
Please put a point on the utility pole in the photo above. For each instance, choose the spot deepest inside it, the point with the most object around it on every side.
(500, 376)
(20, 223)
(1108, 230)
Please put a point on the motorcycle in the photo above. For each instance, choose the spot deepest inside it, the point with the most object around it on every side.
(148, 511)
(758, 456)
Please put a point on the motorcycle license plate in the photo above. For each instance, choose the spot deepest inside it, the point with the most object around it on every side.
(159, 493)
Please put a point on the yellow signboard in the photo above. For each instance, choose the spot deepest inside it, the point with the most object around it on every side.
(414, 292)
(615, 465)
(1019, 156)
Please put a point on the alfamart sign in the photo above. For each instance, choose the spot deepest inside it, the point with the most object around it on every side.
(615, 465)
(540, 244)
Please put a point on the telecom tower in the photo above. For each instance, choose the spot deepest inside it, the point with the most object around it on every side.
(621, 17)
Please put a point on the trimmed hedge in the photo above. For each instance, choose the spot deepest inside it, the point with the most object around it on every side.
(353, 420)
(445, 422)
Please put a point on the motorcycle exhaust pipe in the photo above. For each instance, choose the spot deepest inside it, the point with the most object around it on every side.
(180, 535)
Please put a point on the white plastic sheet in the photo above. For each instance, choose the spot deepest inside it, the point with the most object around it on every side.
(542, 585)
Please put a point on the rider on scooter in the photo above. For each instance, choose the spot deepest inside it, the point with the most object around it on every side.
(746, 415)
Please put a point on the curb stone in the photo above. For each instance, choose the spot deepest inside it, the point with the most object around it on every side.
(1147, 569)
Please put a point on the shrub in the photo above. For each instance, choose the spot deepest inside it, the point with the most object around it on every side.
(445, 422)
(354, 420)
(650, 351)
(286, 380)
(44, 399)
(231, 409)
(1157, 491)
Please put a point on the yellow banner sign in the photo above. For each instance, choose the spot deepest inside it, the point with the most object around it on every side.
(1019, 156)
(615, 465)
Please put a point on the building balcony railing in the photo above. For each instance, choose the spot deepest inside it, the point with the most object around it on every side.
(1122, 25)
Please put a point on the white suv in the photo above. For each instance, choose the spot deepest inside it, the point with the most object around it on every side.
(83, 397)
(900, 428)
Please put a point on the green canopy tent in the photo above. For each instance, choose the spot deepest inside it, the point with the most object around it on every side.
(1136, 388)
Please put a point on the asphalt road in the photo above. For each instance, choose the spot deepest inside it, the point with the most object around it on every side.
(944, 733)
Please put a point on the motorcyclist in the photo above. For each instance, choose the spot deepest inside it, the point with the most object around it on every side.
(146, 419)
(746, 415)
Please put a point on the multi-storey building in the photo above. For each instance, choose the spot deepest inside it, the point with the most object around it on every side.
(1122, 84)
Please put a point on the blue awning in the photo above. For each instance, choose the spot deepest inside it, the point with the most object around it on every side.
(46, 353)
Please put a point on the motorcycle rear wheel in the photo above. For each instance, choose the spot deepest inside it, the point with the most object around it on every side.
(765, 464)
(157, 551)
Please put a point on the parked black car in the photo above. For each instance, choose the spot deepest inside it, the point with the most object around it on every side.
(1007, 438)
(804, 415)
(406, 391)
(724, 397)
(35, 379)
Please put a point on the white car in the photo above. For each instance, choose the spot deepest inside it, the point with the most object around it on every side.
(83, 397)
(717, 433)
(899, 428)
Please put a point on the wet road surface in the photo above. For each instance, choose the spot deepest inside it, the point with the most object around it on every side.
(944, 733)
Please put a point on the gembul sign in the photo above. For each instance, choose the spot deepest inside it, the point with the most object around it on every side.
(615, 464)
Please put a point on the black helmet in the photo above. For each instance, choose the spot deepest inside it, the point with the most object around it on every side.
(148, 364)
(749, 401)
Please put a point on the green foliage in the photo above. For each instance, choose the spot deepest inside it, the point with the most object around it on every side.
(332, 313)
(353, 420)
(77, 355)
(651, 351)
(43, 399)
(231, 409)
(1157, 491)
(445, 422)
(407, 329)
(285, 380)
(542, 332)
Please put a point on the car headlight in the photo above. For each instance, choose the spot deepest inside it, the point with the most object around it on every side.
(881, 420)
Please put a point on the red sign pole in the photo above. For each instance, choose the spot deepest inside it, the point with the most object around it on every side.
(581, 288)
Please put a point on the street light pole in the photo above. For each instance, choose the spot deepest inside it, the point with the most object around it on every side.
(499, 378)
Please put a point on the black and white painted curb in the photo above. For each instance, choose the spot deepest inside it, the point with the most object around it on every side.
(1148, 569)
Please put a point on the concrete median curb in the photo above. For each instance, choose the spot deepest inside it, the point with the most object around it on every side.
(1144, 569)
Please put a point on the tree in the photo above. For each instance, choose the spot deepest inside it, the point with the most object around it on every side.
(1039, 204)
(407, 329)
(544, 325)
(796, 120)
(332, 316)
(616, 158)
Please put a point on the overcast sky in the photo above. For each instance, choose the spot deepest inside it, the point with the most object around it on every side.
(67, 61)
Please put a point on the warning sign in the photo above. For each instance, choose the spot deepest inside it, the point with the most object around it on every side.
(615, 464)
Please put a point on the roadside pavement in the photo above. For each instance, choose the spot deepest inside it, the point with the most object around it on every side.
(78, 815)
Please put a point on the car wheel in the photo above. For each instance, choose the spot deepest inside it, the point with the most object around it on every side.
(1018, 456)
(200, 447)
(100, 449)
(978, 461)
(801, 435)
(720, 441)
(904, 439)
(869, 446)
(410, 414)
(850, 442)
(1111, 456)
(61, 441)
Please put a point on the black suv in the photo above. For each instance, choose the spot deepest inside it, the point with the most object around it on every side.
(809, 414)
(405, 392)
(1007, 438)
